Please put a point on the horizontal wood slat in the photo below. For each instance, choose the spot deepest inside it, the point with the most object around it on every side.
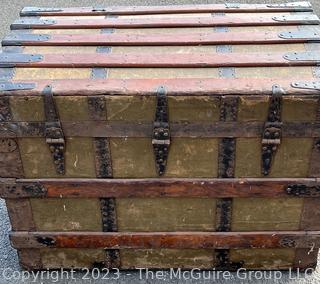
(136, 10)
(174, 87)
(143, 188)
(166, 22)
(161, 60)
(194, 240)
(144, 130)
(191, 38)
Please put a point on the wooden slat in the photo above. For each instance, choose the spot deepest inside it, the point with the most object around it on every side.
(136, 10)
(181, 240)
(188, 60)
(167, 22)
(250, 129)
(151, 39)
(20, 214)
(144, 87)
(121, 188)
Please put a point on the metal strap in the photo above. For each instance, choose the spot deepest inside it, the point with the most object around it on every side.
(53, 131)
(161, 131)
(271, 137)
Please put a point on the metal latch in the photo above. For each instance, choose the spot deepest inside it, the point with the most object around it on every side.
(161, 132)
(271, 136)
(53, 131)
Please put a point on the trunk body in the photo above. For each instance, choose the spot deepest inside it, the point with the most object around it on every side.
(183, 136)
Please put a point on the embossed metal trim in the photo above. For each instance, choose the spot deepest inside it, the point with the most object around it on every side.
(302, 19)
(53, 131)
(232, 5)
(19, 39)
(10, 86)
(109, 218)
(11, 59)
(35, 11)
(302, 5)
(224, 215)
(103, 158)
(271, 137)
(29, 23)
(308, 85)
(303, 190)
(302, 34)
(161, 132)
(303, 56)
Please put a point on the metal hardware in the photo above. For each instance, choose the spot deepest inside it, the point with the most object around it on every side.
(103, 158)
(99, 9)
(232, 5)
(161, 131)
(302, 19)
(288, 243)
(303, 190)
(315, 85)
(34, 189)
(309, 35)
(53, 131)
(271, 137)
(109, 218)
(302, 56)
(29, 23)
(20, 39)
(35, 11)
(224, 214)
(302, 5)
(47, 241)
(12, 59)
(223, 261)
(5, 112)
(7, 145)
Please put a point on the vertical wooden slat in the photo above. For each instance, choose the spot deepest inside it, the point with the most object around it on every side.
(307, 258)
(20, 214)
(314, 167)
(30, 259)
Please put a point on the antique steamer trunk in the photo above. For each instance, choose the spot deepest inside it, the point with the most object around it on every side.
(174, 136)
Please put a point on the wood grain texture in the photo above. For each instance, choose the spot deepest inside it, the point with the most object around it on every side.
(20, 214)
(83, 130)
(212, 240)
(121, 188)
(169, 21)
(153, 39)
(30, 259)
(174, 87)
(169, 60)
(141, 10)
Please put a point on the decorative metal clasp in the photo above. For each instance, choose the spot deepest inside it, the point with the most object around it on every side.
(53, 131)
(161, 132)
(271, 136)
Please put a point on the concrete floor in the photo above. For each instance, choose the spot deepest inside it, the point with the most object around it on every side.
(8, 258)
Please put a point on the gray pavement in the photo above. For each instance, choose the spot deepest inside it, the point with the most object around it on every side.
(10, 271)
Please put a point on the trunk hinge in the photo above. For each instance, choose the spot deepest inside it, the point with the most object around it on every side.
(161, 132)
(271, 137)
(53, 131)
